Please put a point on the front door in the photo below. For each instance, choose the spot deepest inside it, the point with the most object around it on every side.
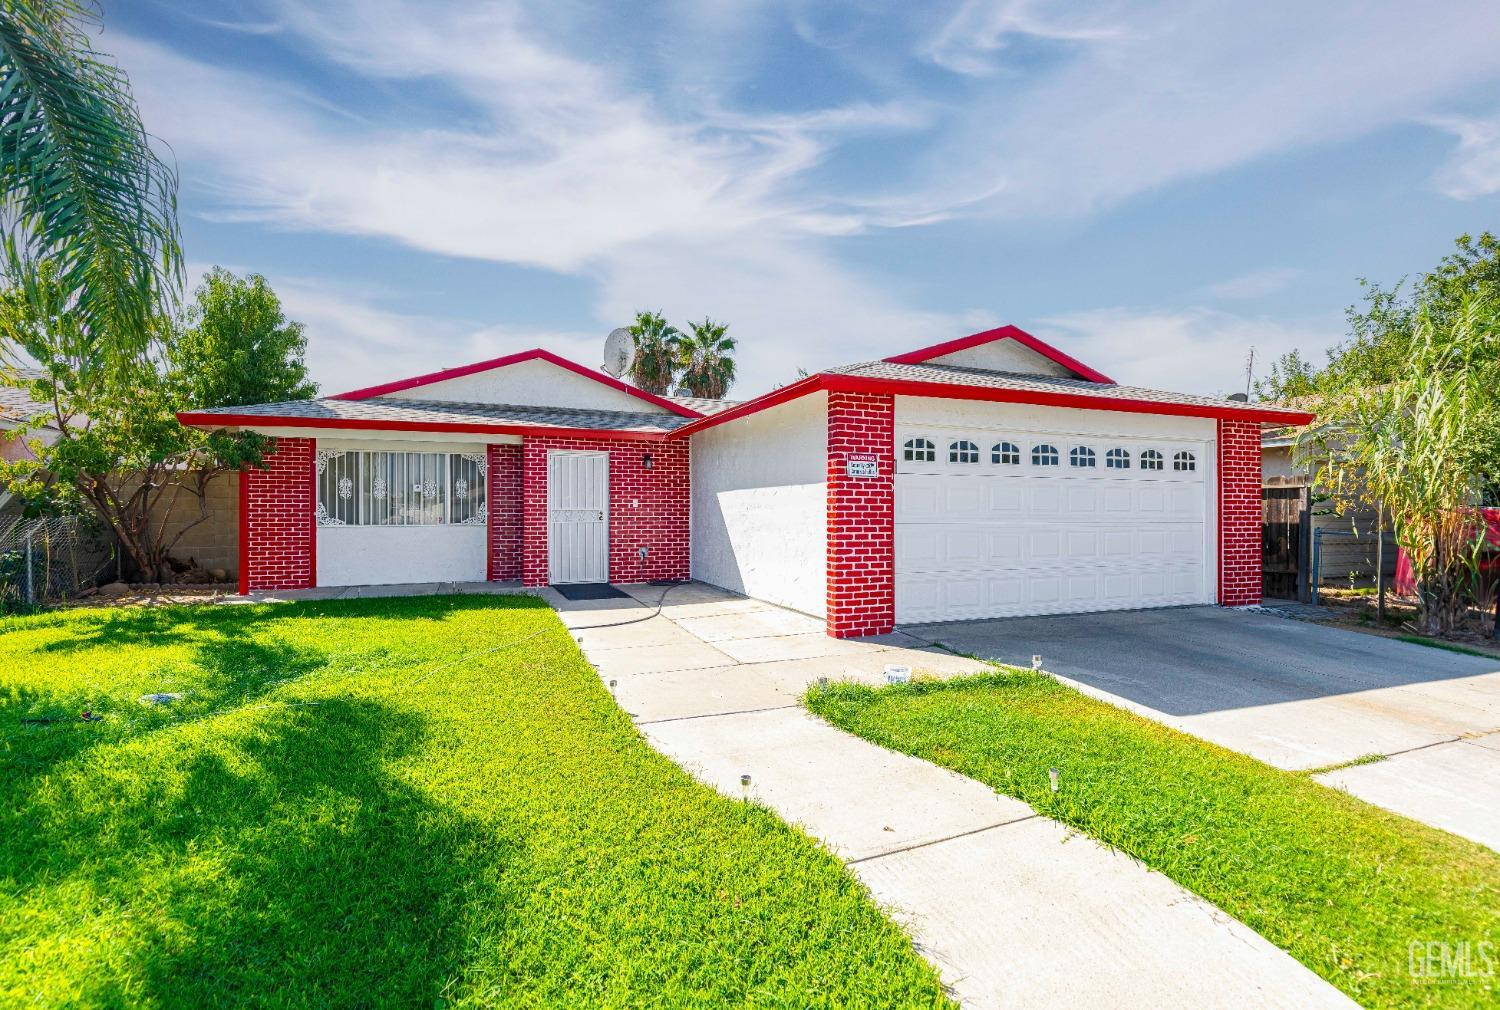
(577, 516)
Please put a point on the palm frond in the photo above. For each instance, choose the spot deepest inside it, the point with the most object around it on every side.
(79, 183)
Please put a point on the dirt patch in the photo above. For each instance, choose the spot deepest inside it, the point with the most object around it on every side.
(1356, 609)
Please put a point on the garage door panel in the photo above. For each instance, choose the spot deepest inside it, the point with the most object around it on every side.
(975, 541)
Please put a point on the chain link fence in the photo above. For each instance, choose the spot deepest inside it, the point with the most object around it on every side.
(50, 559)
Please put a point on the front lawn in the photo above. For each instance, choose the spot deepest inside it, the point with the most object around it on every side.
(1345, 887)
(354, 803)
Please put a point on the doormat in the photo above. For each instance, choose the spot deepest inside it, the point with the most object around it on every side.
(589, 591)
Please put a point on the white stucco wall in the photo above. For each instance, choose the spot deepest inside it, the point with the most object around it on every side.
(760, 505)
(1003, 356)
(535, 382)
(386, 555)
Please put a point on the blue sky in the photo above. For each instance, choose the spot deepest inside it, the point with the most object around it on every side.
(1155, 187)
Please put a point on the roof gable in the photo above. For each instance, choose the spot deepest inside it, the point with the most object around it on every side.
(538, 378)
(1004, 349)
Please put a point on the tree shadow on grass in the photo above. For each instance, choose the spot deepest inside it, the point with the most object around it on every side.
(280, 863)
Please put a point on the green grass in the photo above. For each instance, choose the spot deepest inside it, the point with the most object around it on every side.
(351, 808)
(1343, 886)
(1433, 643)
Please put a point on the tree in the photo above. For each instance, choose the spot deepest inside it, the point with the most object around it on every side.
(707, 360)
(1423, 445)
(1382, 328)
(80, 187)
(656, 352)
(119, 453)
(237, 346)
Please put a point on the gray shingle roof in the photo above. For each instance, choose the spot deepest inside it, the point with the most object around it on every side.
(956, 375)
(443, 412)
(17, 404)
(702, 405)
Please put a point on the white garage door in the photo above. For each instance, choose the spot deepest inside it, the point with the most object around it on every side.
(1000, 524)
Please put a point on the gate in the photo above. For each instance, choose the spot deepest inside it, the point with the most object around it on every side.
(1284, 517)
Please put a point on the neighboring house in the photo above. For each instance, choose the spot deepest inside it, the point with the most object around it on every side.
(1347, 548)
(17, 407)
(983, 477)
(212, 543)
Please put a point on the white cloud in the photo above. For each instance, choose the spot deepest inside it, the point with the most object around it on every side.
(1195, 350)
(1180, 91)
(980, 29)
(1255, 284)
(1473, 170)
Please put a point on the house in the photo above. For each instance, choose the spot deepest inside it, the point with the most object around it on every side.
(988, 476)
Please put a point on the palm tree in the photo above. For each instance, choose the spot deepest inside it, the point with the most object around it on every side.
(655, 361)
(80, 187)
(707, 360)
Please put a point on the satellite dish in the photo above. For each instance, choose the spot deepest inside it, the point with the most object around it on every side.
(619, 351)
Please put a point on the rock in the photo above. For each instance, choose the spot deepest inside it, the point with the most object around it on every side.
(219, 574)
(114, 589)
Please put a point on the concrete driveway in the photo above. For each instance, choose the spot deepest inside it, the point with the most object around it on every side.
(1013, 908)
(1293, 694)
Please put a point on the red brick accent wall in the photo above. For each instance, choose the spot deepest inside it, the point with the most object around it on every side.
(861, 516)
(278, 535)
(1239, 513)
(658, 520)
(504, 504)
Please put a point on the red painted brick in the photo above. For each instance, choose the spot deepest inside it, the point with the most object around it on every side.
(504, 501)
(1239, 513)
(277, 528)
(861, 516)
(659, 522)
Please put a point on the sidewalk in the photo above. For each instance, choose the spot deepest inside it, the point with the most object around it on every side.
(1014, 909)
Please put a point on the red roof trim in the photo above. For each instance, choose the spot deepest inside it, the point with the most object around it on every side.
(1047, 398)
(513, 359)
(1015, 333)
(366, 424)
(946, 391)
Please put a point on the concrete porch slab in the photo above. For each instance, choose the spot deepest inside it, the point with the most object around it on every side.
(805, 646)
(761, 623)
(652, 659)
(376, 592)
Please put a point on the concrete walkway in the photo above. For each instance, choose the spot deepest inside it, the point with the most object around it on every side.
(1013, 909)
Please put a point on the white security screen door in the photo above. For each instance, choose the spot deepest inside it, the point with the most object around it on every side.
(577, 517)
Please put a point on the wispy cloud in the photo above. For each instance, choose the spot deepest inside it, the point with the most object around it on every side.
(1255, 284)
(1474, 168)
(971, 40)
(1199, 349)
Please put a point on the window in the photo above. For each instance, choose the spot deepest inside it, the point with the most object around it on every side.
(401, 489)
(1044, 455)
(963, 451)
(1117, 459)
(1151, 460)
(1006, 454)
(920, 450)
(1184, 461)
(1081, 455)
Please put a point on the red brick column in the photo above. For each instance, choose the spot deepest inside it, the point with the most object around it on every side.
(504, 505)
(861, 516)
(1239, 513)
(647, 508)
(278, 534)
